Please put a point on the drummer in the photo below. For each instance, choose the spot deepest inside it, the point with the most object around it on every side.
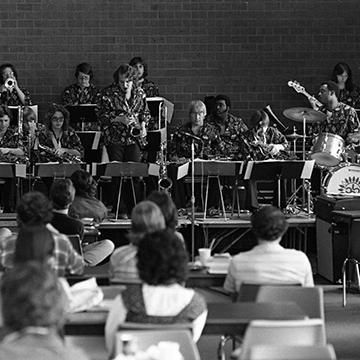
(341, 119)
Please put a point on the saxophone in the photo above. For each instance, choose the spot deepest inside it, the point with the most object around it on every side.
(65, 157)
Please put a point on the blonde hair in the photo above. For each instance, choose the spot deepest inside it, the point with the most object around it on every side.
(146, 218)
(197, 106)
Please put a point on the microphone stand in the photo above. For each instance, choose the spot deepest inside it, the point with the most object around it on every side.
(192, 201)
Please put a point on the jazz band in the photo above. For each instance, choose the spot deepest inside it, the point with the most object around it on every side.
(123, 117)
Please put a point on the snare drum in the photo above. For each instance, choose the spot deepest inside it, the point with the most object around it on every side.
(344, 180)
(328, 149)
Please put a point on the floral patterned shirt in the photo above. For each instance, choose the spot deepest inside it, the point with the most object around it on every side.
(112, 104)
(12, 139)
(11, 98)
(75, 95)
(180, 145)
(342, 121)
(68, 140)
(150, 88)
(351, 98)
(230, 135)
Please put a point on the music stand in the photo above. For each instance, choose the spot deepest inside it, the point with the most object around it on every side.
(215, 169)
(124, 170)
(279, 170)
(90, 141)
(56, 170)
(81, 116)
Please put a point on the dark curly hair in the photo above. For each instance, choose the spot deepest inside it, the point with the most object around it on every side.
(32, 296)
(139, 60)
(127, 70)
(269, 223)
(34, 243)
(50, 113)
(5, 111)
(162, 259)
(163, 200)
(85, 68)
(3, 67)
(62, 193)
(84, 183)
(34, 209)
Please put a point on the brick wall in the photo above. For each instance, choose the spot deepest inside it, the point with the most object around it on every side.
(246, 49)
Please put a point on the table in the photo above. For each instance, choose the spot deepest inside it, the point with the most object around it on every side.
(223, 318)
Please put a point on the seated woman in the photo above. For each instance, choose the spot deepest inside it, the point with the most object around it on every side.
(148, 86)
(11, 151)
(168, 208)
(10, 92)
(146, 217)
(162, 298)
(85, 204)
(57, 141)
(83, 91)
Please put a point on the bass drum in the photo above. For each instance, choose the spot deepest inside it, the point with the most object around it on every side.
(343, 180)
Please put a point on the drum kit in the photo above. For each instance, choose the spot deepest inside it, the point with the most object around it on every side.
(329, 153)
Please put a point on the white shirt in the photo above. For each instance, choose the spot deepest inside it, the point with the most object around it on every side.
(269, 263)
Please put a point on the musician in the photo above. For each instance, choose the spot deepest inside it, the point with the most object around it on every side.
(206, 137)
(229, 127)
(83, 91)
(123, 110)
(10, 151)
(268, 139)
(60, 141)
(12, 95)
(264, 142)
(341, 118)
(206, 143)
(147, 85)
(349, 93)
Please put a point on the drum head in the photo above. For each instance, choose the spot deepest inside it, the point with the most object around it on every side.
(344, 180)
(325, 159)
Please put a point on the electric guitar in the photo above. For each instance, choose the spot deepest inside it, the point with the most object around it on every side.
(300, 89)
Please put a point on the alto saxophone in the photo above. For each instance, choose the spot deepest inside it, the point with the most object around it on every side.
(65, 157)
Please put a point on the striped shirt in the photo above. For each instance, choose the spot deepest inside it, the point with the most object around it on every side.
(123, 263)
(268, 263)
(67, 260)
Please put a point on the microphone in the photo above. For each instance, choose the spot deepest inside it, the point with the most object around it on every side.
(271, 115)
(192, 136)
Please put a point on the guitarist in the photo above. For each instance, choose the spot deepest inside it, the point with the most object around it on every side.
(265, 140)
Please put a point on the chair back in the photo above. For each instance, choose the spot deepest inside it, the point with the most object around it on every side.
(76, 243)
(309, 299)
(145, 338)
(295, 332)
(266, 352)
(249, 292)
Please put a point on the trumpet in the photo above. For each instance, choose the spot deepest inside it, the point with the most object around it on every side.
(9, 83)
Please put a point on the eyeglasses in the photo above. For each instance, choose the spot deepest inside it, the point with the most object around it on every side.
(57, 119)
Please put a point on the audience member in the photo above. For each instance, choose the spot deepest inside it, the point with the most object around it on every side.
(146, 217)
(34, 243)
(62, 194)
(168, 208)
(85, 204)
(35, 209)
(33, 309)
(162, 297)
(268, 262)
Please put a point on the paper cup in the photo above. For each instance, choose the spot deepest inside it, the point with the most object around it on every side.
(204, 255)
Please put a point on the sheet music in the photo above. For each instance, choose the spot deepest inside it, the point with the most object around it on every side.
(182, 171)
(307, 169)
(154, 169)
(96, 140)
(248, 170)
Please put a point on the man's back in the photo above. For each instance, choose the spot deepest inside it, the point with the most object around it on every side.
(269, 263)
(67, 225)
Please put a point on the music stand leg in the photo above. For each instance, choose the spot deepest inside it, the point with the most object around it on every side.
(238, 200)
(118, 200)
(133, 190)
(221, 197)
(279, 194)
(206, 195)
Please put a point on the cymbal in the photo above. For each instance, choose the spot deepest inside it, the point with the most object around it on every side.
(299, 113)
(295, 136)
